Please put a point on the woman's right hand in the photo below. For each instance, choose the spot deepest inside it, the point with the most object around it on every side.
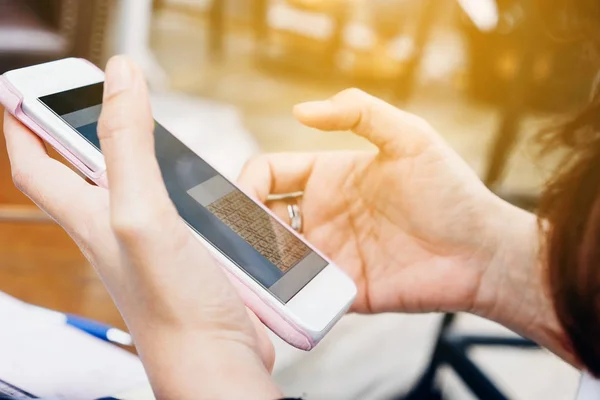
(190, 327)
(412, 223)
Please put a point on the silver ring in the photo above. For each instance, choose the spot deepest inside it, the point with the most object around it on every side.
(295, 217)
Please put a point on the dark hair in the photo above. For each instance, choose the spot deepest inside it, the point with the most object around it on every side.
(572, 20)
(571, 202)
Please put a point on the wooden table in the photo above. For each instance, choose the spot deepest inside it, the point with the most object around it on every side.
(40, 264)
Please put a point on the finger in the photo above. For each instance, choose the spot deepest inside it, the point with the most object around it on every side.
(393, 131)
(53, 186)
(21, 142)
(280, 208)
(126, 131)
(276, 174)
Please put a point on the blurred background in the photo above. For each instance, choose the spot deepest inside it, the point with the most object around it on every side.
(485, 73)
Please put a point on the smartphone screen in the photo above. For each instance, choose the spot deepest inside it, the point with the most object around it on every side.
(218, 211)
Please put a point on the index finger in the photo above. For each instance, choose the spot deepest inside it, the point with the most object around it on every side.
(393, 131)
(277, 173)
(53, 186)
(126, 133)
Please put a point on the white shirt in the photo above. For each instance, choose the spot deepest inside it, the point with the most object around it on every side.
(589, 388)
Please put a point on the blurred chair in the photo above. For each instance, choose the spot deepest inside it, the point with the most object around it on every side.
(300, 36)
(36, 31)
(34, 34)
(517, 66)
(361, 53)
(389, 25)
(216, 12)
(318, 38)
(29, 34)
(281, 42)
(130, 35)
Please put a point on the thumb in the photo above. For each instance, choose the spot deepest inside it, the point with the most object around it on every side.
(126, 133)
(395, 132)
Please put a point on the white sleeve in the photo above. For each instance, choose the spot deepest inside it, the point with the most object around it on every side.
(589, 388)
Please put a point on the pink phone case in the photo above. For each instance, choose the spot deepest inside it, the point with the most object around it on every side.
(12, 100)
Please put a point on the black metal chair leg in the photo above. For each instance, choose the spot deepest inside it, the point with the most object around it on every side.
(426, 389)
(216, 32)
(457, 358)
(405, 87)
(512, 113)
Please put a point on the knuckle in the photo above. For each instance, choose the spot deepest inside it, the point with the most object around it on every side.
(353, 96)
(358, 101)
(21, 179)
(255, 160)
(131, 227)
(113, 120)
(367, 112)
(256, 177)
(352, 93)
(140, 226)
(421, 124)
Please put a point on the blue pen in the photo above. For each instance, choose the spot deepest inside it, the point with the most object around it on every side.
(94, 328)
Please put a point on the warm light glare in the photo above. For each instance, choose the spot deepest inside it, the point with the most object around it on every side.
(483, 13)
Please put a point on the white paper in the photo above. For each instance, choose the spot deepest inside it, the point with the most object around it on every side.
(55, 360)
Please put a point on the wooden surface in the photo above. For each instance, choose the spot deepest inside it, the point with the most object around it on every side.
(40, 264)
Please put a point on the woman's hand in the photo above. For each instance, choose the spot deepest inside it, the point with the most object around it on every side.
(192, 331)
(412, 223)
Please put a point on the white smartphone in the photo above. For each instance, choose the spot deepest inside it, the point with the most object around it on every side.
(291, 287)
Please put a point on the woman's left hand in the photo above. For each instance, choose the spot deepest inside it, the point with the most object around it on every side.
(191, 329)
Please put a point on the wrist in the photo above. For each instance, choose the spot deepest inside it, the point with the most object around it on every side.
(192, 365)
(513, 290)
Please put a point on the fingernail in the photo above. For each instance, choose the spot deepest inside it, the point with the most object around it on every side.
(118, 78)
(312, 107)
